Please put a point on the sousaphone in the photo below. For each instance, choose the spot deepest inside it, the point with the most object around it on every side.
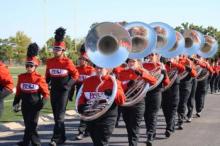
(144, 40)
(107, 45)
(194, 40)
(209, 49)
(166, 46)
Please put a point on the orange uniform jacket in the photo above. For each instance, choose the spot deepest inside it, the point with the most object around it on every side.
(89, 89)
(84, 72)
(6, 80)
(178, 66)
(129, 74)
(32, 83)
(118, 69)
(150, 66)
(205, 65)
(185, 61)
(61, 67)
(216, 69)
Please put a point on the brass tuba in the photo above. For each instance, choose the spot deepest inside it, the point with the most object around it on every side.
(209, 48)
(107, 45)
(176, 50)
(169, 44)
(193, 41)
(143, 42)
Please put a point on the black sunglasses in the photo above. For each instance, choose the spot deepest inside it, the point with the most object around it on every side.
(28, 65)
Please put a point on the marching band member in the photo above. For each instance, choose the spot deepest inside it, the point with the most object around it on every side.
(153, 98)
(201, 88)
(185, 88)
(191, 100)
(134, 114)
(217, 72)
(30, 87)
(210, 74)
(213, 78)
(6, 85)
(170, 97)
(101, 84)
(85, 71)
(218, 68)
(61, 74)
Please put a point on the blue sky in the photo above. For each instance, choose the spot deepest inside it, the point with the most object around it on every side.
(39, 18)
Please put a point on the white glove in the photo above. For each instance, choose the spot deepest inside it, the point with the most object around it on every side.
(16, 108)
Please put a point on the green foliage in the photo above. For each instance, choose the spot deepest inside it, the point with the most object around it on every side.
(14, 48)
(44, 53)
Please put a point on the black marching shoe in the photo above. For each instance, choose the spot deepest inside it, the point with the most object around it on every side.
(86, 134)
(198, 114)
(168, 133)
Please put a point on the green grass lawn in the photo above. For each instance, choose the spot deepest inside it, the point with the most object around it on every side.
(8, 114)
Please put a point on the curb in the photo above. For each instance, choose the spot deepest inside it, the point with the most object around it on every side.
(10, 128)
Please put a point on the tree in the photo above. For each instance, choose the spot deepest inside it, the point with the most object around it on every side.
(6, 50)
(22, 41)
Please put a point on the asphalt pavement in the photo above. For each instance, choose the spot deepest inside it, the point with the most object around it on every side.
(203, 131)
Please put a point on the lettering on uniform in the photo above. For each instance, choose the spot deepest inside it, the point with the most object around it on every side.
(29, 87)
(94, 95)
(83, 77)
(58, 72)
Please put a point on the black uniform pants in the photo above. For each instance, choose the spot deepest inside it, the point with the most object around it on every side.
(101, 129)
(119, 114)
(208, 83)
(3, 93)
(219, 83)
(152, 105)
(216, 83)
(59, 99)
(200, 95)
(185, 90)
(132, 117)
(30, 116)
(170, 101)
(191, 100)
(212, 83)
